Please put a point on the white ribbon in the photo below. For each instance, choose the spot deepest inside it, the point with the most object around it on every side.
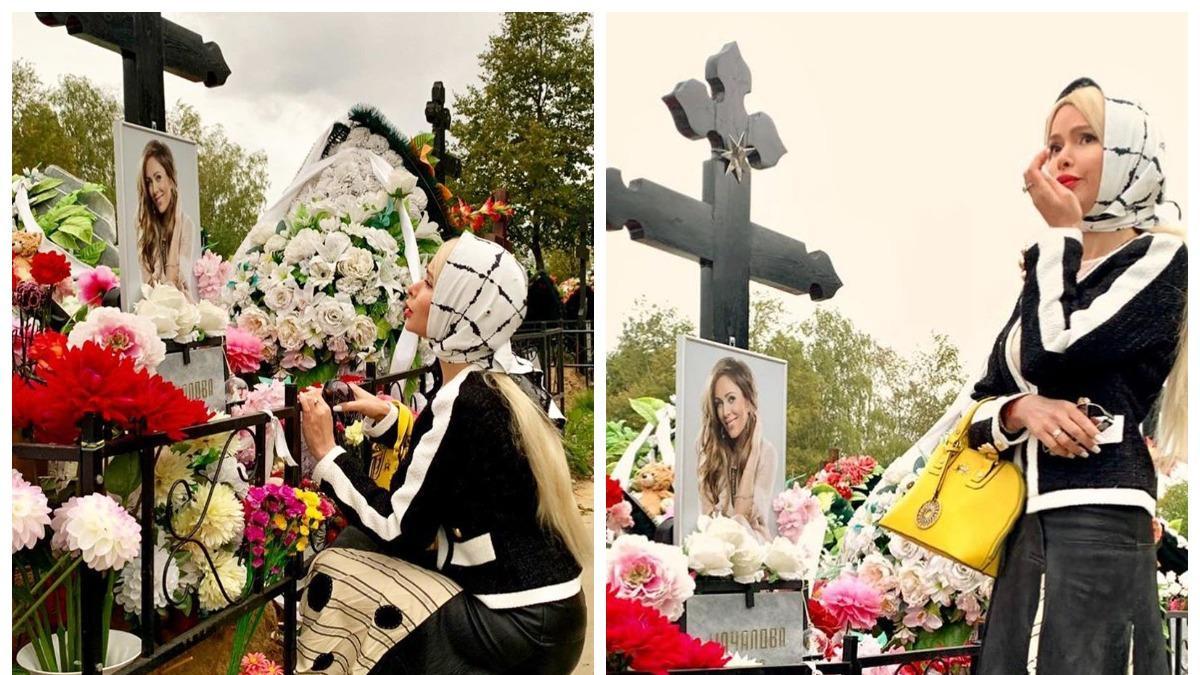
(663, 434)
(280, 446)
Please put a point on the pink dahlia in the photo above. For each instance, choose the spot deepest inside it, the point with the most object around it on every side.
(94, 283)
(243, 350)
(852, 602)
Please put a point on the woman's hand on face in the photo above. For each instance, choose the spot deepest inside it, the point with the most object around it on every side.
(1060, 426)
(1057, 204)
(366, 404)
(316, 423)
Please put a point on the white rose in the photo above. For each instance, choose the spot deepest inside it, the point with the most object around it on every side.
(362, 332)
(903, 548)
(277, 242)
(281, 297)
(333, 317)
(302, 246)
(963, 579)
(357, 263)
(747, 564)
(213, 319)
(876, 570)
(911, 582)
(320, 272)
(786, 559)
(187, 320)
(290, 332)
(255, 321)
(400, 181)
(709, 556)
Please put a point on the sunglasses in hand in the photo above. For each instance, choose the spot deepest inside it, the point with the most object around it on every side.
(1101, 417)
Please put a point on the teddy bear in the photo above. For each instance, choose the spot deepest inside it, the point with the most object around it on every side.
(24, 245)
(655, 482)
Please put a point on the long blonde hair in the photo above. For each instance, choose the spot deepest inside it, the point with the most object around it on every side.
(718, 452)
(1170, 432)
(538, 439)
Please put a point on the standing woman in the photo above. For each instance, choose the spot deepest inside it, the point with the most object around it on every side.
(1098, 331)
(164, 231)
(737, 466)
(485, 483)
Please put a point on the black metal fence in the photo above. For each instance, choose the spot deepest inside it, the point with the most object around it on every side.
(90, 455)
(555, 346)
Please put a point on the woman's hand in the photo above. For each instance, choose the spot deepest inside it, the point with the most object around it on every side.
(316, 423)
(1057, 204)
(1060, 426)
(366, 404)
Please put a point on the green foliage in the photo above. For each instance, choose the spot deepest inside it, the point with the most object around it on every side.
(233, 181)
(528, 128)
(845, 390)
(578, 435)
(70, 124)
(643, 363)
(1173, 507)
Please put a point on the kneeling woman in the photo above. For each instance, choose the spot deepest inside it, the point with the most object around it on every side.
(486, 484)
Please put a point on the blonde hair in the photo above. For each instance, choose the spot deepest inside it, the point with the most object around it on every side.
(1171, 429)
(538, 439)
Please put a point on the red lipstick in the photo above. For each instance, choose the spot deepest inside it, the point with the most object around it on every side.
(1068, 180)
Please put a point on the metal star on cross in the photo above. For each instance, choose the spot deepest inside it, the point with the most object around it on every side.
(736, 156)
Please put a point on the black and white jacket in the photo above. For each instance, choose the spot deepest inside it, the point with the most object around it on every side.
(467, 486)
(1111, 336)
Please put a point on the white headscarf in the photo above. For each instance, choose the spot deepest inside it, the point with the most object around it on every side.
(1131, 180)
(479, 302)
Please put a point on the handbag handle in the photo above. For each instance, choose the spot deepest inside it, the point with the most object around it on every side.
(955, 443)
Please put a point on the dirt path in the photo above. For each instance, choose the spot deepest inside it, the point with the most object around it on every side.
(583, 494)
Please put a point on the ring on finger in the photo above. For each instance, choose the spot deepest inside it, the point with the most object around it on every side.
(1027, 187)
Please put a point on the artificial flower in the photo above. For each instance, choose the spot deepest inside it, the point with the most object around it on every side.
(255, 663)
(49, 268)
(852, 602)
(129, 335)
(789, 560)
(30, 513)
(95, 283)
(220, 524)
(97, 527)
(226, 572)
(651, 573)
(173, 314)
(212, 273)
(47, 346)
(169, 469)
(640, 638)
(129, 591)
(795, 508)
(243, 350)
(29, 296)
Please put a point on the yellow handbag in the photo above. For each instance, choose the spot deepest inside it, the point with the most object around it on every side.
(963, 504)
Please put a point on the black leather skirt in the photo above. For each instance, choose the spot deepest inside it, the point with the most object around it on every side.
(1077, 593)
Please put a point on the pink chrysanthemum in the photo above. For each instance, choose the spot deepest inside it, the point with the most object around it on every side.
(97, 527)
(852, 602)
(30, 513)
(93, 284)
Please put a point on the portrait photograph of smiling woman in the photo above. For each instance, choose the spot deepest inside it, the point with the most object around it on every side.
(730, 434)
(158, 197)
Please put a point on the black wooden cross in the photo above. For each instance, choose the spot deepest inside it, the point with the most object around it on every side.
(148, 45)
(717, 231)
(437, 114)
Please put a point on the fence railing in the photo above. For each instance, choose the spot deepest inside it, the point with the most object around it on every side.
(554, 346)
(90, 454)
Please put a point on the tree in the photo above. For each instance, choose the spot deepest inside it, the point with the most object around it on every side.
(232, 181)
(70, 125)
(845, 390)
(529, 128)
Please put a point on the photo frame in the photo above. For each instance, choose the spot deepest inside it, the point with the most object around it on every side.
(158, 192)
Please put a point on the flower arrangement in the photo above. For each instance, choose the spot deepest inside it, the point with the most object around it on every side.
(93, 530)
(322, 289)
(723, 547)
(176, 318)
(1172, 591)
(639, 637)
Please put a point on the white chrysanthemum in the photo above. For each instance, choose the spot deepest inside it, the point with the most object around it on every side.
(221, 524)
(230, 571)
(129, 592)
(30, 513)
(96, 526)
(736, 660)
(170, 467)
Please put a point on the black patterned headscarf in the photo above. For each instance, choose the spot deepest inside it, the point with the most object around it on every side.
(1131, 179)
(479, 302)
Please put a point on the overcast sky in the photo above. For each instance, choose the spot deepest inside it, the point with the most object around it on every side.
(907, 138)
(293, 74)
